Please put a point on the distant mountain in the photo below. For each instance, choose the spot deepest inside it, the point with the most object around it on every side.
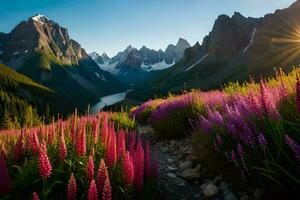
(135, 65)
(42, 50)
(236, 48)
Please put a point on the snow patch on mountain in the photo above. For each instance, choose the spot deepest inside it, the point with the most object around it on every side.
(39, 18)
(109, 67)
(199, 61)
(157, 66)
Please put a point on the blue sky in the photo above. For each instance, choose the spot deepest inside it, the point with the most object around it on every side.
(111, 25)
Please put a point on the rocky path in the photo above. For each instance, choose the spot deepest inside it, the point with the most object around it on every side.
(181, 176)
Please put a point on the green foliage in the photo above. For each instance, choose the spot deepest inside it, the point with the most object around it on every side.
(21, 100)
(122, 120)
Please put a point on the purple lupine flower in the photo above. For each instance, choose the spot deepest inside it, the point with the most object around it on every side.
(232, 128)
(293, 146)
(268, 102)
(254, 104)
(215, 117)
(205, 125)
(248, 136)
(262, 140)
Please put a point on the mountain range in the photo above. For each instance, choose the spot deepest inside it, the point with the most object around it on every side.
(237, 47)
(42, 50)
(137, 65)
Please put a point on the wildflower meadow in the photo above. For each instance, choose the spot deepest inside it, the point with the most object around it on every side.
(248, 131)
(88, 157)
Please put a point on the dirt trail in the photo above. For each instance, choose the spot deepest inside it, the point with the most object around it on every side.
(172, 185)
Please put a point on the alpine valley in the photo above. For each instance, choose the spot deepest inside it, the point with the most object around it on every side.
(212, 120)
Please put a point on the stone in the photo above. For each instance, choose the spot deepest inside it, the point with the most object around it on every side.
(170, 168)
(223, 187)
(203, 186)
(191, 174)
(182, 184)
(219, 178)
(210, 190)
(230, 196)
(192, 158)
(198, 167)
(171, 175)
(170, 160)
(186, 165)
(258, 193)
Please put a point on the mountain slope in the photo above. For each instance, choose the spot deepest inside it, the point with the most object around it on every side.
(235, 48)
(42, 49)
(18, 93)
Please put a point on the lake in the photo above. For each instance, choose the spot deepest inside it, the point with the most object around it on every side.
(108, 101)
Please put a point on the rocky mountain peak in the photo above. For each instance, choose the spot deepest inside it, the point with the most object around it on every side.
(129, 48)
(181, 45)
(40, 35)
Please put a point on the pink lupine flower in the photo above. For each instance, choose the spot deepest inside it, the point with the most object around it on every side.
(72, 188)
(139, 165)
(104, 131)
(95, 131)
(132, 144)
(81, 140)
(121, 144)
(19, 149)
(5, 181)
(44, 163)
(35, 144)
(268, 102)
(93, 194)
(111, 153)
(128, 169)
(62, 148)
(73, 130)
(102, 175)
(106, 194)
(35, 196)
(90, 168)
